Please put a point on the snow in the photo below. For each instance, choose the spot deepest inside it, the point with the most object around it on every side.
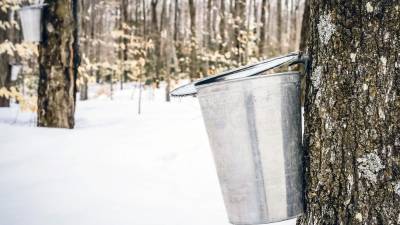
(115, 168)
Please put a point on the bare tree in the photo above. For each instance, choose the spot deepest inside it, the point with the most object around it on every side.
(156, 39)
(193, 52)
(239, 15)
(261, 44)
(222, 46)
(279, 26)
(4, 63)
(59, 61)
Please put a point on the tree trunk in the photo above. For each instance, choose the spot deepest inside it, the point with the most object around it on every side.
(156, 39)
(209, 24)
(269, 23)
(222, 46)
(279, 29)
(261, 45)
(240, 8)
(127, 21)
(4, 67)
(85, 30)
(293, 26)
(144, 18)
(59, 61)
(193, 53)
(305, 26)
(176, 21)
(352, 114)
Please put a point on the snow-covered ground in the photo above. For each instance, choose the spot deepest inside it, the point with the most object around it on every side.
(115, 168)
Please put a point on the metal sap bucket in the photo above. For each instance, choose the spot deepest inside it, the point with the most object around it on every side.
(15, 71)
(31, 17)
(253, 123)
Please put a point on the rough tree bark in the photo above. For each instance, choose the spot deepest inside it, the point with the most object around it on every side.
(4, 67)
(352, 113)
(59, 61)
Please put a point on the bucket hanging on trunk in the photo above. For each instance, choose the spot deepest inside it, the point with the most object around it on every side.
(31, 19)
(253, 121)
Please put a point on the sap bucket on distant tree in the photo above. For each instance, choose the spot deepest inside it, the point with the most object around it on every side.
(31, 19)
(15, 71)
(253, 121)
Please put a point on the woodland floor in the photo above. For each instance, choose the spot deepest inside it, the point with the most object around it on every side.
(115, 168)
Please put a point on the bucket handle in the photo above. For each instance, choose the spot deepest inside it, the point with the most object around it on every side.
(246, 71)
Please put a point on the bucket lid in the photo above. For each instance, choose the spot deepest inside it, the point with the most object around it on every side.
(241, 72)
(36, 6)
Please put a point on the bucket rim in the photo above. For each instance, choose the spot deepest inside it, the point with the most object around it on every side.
(287, 73)
(15, 64)
(37, 6)
(269, 221)
(243, 71)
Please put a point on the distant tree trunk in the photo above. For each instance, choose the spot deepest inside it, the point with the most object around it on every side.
(209, 24)
(126, 20)
(304, 36)
(83, 87)
(176, 21)
(59, 61)
(214, 25)
(352, 114)
(268, 28)
(305, 26)
(4, 64)
(240, 9)
(98, 45)
(144, 18)
(279, 30)
(193, 52)
(222, 46)
(261, 44)
(293, 30)
(156, 39)
(286, 27)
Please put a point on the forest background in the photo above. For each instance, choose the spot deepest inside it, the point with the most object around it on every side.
(153, 41)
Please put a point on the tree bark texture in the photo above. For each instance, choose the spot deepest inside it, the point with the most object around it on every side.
(59, 61)
(352, 113)
(4, 67)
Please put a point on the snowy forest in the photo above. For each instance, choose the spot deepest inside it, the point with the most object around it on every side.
(153, 42)
(194, 112)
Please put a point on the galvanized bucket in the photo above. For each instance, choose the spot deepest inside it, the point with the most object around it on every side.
(254, 129)
(15, 71)
(31, 17)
